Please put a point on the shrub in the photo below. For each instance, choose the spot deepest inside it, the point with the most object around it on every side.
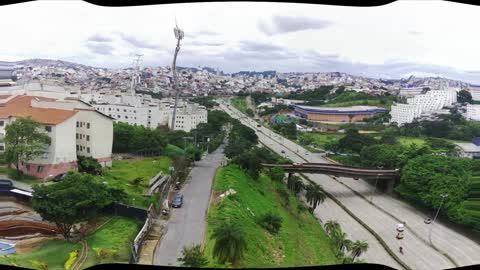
(89, 165)
(271, 222)
(71, 259)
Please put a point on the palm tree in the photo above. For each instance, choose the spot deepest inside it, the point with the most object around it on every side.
(230, 243)
(331, 226)
(295, 184)
(315, 195)
(341, 240)
(358, 247)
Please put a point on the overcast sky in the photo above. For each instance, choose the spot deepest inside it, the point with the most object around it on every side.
(426, 37)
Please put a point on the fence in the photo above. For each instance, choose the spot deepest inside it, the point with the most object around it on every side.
(126, 210)
(138, 242)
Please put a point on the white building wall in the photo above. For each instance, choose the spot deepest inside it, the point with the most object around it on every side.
(475, 91)
(433, 100)
(473, 112)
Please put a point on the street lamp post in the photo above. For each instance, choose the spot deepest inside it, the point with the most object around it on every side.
(433, 222)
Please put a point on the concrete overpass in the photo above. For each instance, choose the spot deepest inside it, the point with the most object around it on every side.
(337, 170)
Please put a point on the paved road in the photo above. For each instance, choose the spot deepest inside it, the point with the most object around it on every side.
(460, 248)
(186, 225)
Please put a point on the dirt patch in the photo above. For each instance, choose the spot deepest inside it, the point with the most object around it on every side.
(215, 199)
(26, 245)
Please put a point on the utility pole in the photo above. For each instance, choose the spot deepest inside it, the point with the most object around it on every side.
(433, 222)
(179, 36)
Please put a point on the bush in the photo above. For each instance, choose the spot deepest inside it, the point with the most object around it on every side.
(271, 222)
(89, 165)
(276, 173)
(71, 259)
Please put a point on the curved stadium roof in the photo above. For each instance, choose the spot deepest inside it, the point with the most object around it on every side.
(341, 110)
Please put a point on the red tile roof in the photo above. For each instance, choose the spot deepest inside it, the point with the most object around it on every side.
(20, 106)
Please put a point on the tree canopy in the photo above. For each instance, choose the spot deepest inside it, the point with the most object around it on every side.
(24, 141)
(79, 197)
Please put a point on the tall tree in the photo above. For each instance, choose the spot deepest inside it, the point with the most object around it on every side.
(24, 140)
(358, 248)
(193, 257)
(230, 243)
(464, 96)
(79, 197)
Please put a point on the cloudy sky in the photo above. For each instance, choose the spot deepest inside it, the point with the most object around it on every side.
(424, 38)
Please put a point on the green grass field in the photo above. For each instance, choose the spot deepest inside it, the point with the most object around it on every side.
(301, 240)
(407, 141)
(116, 234)
(240, 104)
(320, 139)
(123, 172)
(360, 102)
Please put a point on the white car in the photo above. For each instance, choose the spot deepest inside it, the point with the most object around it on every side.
(400, 227)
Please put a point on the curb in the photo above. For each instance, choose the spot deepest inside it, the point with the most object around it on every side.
(394, 217)
(400, 221)
(379, 239)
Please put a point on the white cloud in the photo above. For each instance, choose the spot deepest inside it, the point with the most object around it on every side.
(429, 34)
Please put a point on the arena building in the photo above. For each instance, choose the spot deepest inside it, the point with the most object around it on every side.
(337, 114)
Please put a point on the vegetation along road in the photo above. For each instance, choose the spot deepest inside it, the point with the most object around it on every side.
(449, 247)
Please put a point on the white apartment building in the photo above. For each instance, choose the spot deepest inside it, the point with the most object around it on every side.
(430, 102)
(74, 127)
(411, 91)
(473, 112)
(475, 91)
(188, 116)
(148, 112)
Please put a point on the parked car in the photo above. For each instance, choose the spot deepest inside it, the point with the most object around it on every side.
(258, 125)
(428, 221)
(60, 177)
(400, 227)
(177, 201)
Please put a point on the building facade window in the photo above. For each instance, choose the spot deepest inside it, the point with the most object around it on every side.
(28, 167)
(2, 123)
(88, 150)
(2, 148)
(78, 124)
(48, 128)
(88, 125)
(40, 169)
(88, 137)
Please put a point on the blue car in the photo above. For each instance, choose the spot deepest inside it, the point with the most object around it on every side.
(177, 201)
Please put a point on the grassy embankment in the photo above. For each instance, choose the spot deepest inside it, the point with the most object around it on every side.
(240, 103)
(301, 240)
(116, 234)
(123, 172)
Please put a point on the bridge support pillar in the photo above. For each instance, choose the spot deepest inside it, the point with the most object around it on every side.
(390, 185)
(289, 176)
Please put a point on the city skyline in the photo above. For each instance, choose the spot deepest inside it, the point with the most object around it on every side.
(274, 36)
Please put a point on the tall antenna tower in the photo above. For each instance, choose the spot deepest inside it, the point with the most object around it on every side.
(178, 36)
(137, 62)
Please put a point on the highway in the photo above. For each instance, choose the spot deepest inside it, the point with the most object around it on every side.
(382, 216)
